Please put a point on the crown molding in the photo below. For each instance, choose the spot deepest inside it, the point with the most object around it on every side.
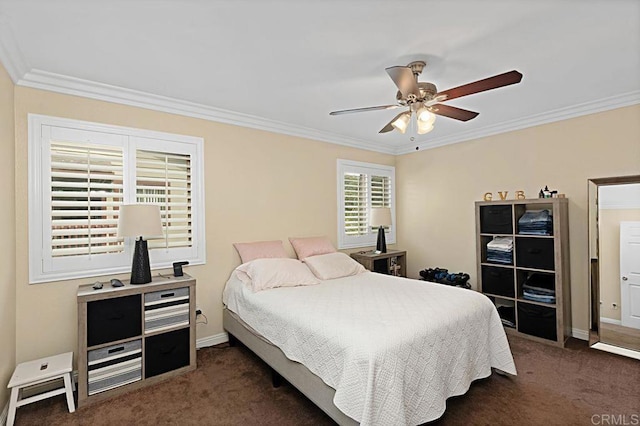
(45, 80)
(10, 55)
(560, 114)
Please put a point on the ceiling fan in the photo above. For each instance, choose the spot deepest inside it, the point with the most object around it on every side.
(423, 99)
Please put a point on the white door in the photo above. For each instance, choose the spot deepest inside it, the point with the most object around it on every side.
(630, 273)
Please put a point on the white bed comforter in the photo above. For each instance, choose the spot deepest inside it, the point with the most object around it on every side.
(394, 349)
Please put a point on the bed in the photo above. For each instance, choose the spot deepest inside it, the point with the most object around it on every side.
(371, 348)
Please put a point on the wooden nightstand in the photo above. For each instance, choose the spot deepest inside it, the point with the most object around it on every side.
(393, 262)
(135, 335)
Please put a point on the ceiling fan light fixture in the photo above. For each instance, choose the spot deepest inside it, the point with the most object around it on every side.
(425, 116)
(402, 122)
(424, 128)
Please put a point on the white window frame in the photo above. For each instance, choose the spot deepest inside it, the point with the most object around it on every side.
(41, 267)
(354, 241)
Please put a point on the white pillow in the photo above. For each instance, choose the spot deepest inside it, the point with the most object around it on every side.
(333, 265)
(262, 274)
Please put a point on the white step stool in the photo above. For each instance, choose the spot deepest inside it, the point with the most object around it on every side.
(41, 371)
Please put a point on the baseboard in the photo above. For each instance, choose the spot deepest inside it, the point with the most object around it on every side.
(580, 334)
(610, 321)
(617, 350)
(4, 414)
(216, 339)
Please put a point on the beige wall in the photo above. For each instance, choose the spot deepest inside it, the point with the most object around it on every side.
(609, 262)
(437, 188)
(259, 185)
(7, 248)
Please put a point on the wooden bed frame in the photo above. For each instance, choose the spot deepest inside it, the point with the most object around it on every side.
(295, 373)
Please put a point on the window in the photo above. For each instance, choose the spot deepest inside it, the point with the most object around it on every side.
(362, 186)
(79, 175)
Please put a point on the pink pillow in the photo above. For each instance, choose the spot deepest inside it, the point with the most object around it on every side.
(311, 246)
(260, 250)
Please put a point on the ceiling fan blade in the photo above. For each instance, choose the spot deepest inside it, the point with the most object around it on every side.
(404, 79)
(453, 112)
(506, 79)
(389, 127)
(373, 108)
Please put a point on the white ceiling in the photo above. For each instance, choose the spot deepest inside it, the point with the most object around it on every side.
(284, 65)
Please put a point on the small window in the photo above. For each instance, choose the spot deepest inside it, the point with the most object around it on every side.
(361, 187)
(81, 173)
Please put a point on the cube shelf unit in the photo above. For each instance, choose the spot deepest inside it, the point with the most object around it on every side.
(541, 257)
(134, 336)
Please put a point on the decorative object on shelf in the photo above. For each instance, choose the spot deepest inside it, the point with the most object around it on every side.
(488, 196)
(177, 268)
(140, 220)
(547, 193)
(394, 267)
(381, 217)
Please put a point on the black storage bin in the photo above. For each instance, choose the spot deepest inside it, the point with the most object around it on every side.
(535, 253)
(537, 320)
(166, 352)
(496, 220)
(507, 315)
(381, 266)
(498, 281)
(114, 319)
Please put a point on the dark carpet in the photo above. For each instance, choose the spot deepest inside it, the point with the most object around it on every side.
(232, 386)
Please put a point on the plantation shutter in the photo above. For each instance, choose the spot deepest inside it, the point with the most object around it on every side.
(380, 193)
(362, 187)
(356, 212)
(86, 190)
(165, 179)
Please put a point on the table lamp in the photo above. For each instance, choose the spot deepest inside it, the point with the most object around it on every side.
(140, 220)
(381, 217)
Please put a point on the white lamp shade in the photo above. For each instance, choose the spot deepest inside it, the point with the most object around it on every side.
(402, 122)
(425, 116)
(424, 128)
(381, 216)
(139, 220)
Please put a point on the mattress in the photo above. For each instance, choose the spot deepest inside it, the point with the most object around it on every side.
(394, 349)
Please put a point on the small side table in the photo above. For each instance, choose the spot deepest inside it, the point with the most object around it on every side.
(393, 262)
(40, 371)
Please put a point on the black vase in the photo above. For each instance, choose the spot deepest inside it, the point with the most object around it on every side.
(140, 268)
(381, 246)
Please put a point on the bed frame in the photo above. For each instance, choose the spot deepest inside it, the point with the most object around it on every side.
(295, 373)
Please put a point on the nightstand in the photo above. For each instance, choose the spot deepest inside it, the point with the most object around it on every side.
(134, 335)
(393, 262)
